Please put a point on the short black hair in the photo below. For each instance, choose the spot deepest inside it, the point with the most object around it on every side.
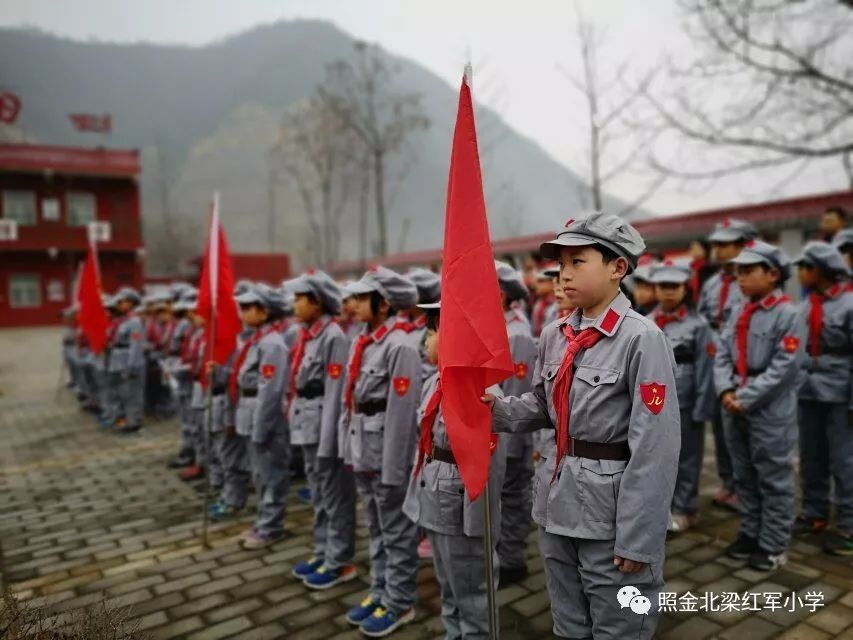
(608, 255)
(376, 301)
(837, 210)
(432, 318)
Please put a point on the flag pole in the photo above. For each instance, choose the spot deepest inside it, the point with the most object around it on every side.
(491, 596)
(210, 348)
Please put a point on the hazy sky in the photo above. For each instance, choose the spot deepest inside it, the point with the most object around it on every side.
(518, 46)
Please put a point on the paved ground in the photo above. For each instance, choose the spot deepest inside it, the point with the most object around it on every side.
(87, 515)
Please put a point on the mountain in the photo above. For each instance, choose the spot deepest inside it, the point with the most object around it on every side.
(204, 117)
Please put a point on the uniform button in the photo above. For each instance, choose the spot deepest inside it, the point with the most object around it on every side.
(462, 492)
(596, 379)
(352, 431)
(423, 484)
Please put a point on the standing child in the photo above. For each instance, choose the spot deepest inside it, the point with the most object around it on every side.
(643, 290)
(693, 346)
(260, 375)
(437, 502)
(126, 366)
(380, 430)
(313, 405)
(843, 241)
(755, 374)
(605, 381)
(826, 396)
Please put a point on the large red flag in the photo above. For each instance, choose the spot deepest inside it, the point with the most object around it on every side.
(91, 315)
(474, 348)
(216, 292)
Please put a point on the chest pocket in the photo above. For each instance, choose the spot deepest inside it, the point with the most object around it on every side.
(372, 383)
(834, 335)
(596, 377)
(759, 347)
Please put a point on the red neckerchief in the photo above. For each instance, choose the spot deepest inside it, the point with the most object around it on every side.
(539, 310)
(113, 329)
(354, 368)
(742, 330)
(816, 299)
(427, 422)
(724, 295)
(233, 387)
(153, 332)
(662, 318)
(167, 339)
(299, 352)
(183, 352)
(563, 384)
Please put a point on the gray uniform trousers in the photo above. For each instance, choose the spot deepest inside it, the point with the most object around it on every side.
(110, 406)
(461, 573)
(235, 463)
(186, 417)
(271, 469)
(583, 584)
(721, 451)
(685, 499)
(321, 516)
(132, 397)
(393, 542)
(762, 448)
(826, 452)
(337, 486)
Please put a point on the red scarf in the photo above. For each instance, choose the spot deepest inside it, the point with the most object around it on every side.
(563, 384)
(233, 387)
(539, 310)
(427, 422)
(112, 329)
(354, 368)
(816, 314)
(724, 296)
(742, 331)
(662, 318)
(299, 353)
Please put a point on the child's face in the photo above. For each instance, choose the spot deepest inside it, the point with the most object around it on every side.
(125, 306)
(670, 294)
(756, 280)
(644, 293)
(198, 320)
(586, 278)
(544, 287)
(431, 346)
(349, 307)
(361, 303)
(560, 295)
(253, 315)
(725, 251)
(807, 274)
(306, 308)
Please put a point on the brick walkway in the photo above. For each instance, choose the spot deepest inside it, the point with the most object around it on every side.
(86, 515)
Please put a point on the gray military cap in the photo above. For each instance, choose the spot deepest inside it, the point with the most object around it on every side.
(732, 230)
(187, 301)
(552, 271)
(321, 286)
(253, 294)
(428, 283)
(398, 290)
(128, 293)
(242, 286)
(178, 289)
(598, 228)
(510, 281)
(824, 256)
(108, 301)
(670, 271)
(346, 289)
(760, 252)
(843, 238)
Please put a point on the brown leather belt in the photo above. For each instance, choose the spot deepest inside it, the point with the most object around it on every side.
(371, 408)
(599, 450)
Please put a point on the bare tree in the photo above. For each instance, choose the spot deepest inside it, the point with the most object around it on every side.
(616, 144)
(360, 92)
(771, 85)
(315, 151)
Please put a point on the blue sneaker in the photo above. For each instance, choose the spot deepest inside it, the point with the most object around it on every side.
(306, 567)
(221, 511)
(324, 578)
(360, 612)
(383, 622)
(304, 494)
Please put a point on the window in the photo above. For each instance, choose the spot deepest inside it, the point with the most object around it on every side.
(20, 206)
(81, 208)
(24, 291)
(50, 209)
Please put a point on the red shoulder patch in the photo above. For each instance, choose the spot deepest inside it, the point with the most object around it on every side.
(401, 385)
(711, 348)
(521, 370)
(790, 343)
(335, 370)
(654, 396)
(268, 371)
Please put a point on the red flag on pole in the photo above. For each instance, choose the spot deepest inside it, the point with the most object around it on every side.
(216, 292)
(474, 348)
(91, 316)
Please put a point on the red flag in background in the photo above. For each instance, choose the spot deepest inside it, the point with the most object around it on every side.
(91, 122)
(473, 348)
(91, 315)
(216, 292)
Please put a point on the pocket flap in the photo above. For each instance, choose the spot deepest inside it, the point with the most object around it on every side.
(594, 376)
(604, 467)
(549, 371)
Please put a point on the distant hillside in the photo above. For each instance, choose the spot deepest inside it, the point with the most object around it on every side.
(205, 116)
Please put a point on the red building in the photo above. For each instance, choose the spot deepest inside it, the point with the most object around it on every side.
(270, 268)
(49, 197)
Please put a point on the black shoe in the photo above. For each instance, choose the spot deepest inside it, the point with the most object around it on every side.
(838, 544)
(742, 548)
(511, 575)
(129, 428)
(806, 526)
(762, 560)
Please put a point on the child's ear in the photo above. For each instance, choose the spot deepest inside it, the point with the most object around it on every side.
(620, 267)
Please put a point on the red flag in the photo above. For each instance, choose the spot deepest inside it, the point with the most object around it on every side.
(474, 348)
(91, 122)
(91, 316)
(216, 292)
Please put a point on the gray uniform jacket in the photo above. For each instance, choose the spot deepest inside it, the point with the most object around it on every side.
(828, 377)
(625, 501)
(693, 347)
(709, 300)
(774, 351)
(127, 354)
(390, 373)
(522, 348)
(315, 407)
(262, 381)
(436, 498)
